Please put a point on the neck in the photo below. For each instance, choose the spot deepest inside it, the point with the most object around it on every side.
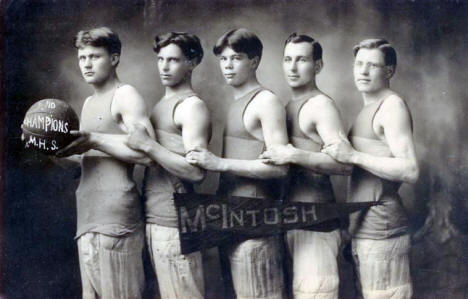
(304, 89)
(111, 83)
(373, 97)
(185, 85)
(248, 86)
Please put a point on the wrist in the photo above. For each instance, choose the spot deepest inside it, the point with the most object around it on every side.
(293, 156)
(222, 165)
(354, 158)
(145, 146)
(94, 140)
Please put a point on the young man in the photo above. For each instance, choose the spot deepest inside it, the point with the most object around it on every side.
(313, 120)
(110, 234)
(255, 121)
(382, 151)
(182, 123)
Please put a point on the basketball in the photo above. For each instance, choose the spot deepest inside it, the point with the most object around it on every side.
(47, 125)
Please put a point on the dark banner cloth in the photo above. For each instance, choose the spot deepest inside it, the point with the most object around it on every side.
(206, 221)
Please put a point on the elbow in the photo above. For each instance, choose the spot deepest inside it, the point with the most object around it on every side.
(412, 174)
(197, 176)
(281, 172)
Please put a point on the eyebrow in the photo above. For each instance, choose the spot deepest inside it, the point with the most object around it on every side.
(168, 57)
(298, 56)
(233, 55)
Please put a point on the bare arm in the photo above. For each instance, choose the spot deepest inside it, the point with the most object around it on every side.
(318, 114)
(130, 109)
(269, 111)
(114, 145)
(194, 119)
(395, 121)
(73, 161)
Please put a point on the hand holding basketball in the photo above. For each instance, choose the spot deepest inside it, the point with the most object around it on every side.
(81, 144)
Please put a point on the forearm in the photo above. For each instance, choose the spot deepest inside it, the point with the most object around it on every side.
(252, 169)
(319, 162)
(390, 168)
(114, 145)
(73, 161)
(172, 162)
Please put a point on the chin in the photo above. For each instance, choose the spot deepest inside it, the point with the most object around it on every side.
(296, 84)
(362, 88)
(292, 84)
(367, 90)
(90, 80)
(230, 82)
(168, 83)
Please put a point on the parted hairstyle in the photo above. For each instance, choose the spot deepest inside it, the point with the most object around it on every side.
(99, 37)
(188, 43)
(240, 40)
(390, 56)
(301, 38)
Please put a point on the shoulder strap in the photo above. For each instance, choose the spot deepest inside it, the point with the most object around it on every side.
(250, 96)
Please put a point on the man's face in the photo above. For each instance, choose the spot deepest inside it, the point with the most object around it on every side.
(370, 72)
(298, 65)
(173, 66)
(96, 64)
(237, 68)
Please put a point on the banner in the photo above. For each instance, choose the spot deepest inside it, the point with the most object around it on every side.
(206, 221)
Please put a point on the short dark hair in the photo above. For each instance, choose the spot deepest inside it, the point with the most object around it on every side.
(240, 40)
(188, 43)
(301, 38)
(99, 37)
(390, 56)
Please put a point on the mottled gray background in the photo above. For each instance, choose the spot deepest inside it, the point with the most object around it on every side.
(39, 258)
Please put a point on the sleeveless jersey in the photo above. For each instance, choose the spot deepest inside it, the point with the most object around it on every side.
(388, 218)
(107, 198)
(305, 185)
(240, 144)
(161, 184)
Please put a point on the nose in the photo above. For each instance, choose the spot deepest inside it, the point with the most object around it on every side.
(165, 65)
(364, 69)
(293, 66)
(228, 64)
(88, 63)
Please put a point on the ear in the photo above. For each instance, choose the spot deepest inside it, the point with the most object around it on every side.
(389, 71)
(115, 59)
(255, 62)
(318, 65)
(191, 64)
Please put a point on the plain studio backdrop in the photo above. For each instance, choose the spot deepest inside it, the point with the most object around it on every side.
(39, 256)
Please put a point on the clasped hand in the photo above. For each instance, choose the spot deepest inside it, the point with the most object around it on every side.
(137, 137)
(203, 158)
(340, 150)
(277, 155)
